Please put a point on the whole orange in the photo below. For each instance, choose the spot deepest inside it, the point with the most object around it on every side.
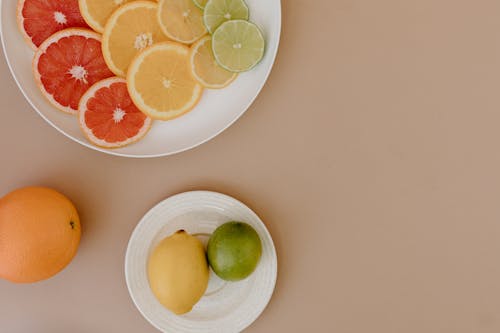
(39, 234)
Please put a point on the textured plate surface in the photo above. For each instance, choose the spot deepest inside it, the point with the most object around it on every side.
(217, 110)
(227, 307)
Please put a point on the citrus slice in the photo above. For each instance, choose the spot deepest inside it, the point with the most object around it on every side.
(181, 20)
(67, 64)
(109, 118)
(38, 19)
(238, 45)
(160, 81)
(97, 12)
(205, 69)
(219, 11)
(129, 30)
(200, 3)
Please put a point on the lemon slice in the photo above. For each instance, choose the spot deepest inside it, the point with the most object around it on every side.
(238, 45)
(97, 12)
(219, 11)
(200, 3)
(181, 20)
(160, 81)
(129, 30)
(205, 69)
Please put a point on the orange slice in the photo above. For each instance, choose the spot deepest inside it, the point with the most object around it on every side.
(108, 118)
(160, 81)
(206, 69)
(181, 20)
(67, 64)
(38, 19)
(129, 30)
(97, 12)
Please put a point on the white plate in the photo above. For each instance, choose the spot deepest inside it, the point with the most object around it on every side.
(227, 307)
(217, 110)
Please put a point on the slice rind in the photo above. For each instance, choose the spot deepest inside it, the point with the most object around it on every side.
(39, 19)
(160, 81)
(129, 30)
(97, 12)
(206, 69)
(109, 118)
(219, 11)
(238, 45)
(181, 20)
(67, 64)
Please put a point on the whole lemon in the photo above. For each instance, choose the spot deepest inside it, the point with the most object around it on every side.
(39, 234)
(178, 272)
(234, 250)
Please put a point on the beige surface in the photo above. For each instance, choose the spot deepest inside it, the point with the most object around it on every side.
(372, 155)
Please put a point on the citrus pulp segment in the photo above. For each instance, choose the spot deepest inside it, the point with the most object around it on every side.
(67, 64)
(160, 81)
(109, 118)
(205, 69)
(200, 3)
(38, 19)
(129, 30)
(238, 45)
(97, 12)
(219, 11)
(181, 20)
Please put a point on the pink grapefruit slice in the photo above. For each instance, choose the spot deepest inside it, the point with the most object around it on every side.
(109, 118)
(38, 19)
(67, 64)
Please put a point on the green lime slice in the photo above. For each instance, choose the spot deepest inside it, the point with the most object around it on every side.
(200, 3)
(238, 45)
(219, 11)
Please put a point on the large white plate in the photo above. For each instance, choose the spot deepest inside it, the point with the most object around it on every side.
(227, 307)
(216, 111)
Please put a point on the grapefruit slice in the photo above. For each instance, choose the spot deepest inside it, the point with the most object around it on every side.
(38, 19)
(109, 118)
(67, 64)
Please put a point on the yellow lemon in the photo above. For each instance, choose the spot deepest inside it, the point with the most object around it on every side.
(178, 272)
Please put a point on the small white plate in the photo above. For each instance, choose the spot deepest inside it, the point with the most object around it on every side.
(227, 307)
(217, 110)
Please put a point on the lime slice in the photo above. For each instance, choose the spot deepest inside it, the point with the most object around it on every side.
(238, 45)
(200, 3)
(219, 11)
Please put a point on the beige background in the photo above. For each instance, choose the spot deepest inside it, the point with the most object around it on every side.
(372, 155)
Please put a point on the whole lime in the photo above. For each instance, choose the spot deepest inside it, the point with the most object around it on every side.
(234, 250)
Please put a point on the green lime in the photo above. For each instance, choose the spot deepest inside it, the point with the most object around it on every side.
(234, 250)
(219, 11)
(200, 3)
(238, 45)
